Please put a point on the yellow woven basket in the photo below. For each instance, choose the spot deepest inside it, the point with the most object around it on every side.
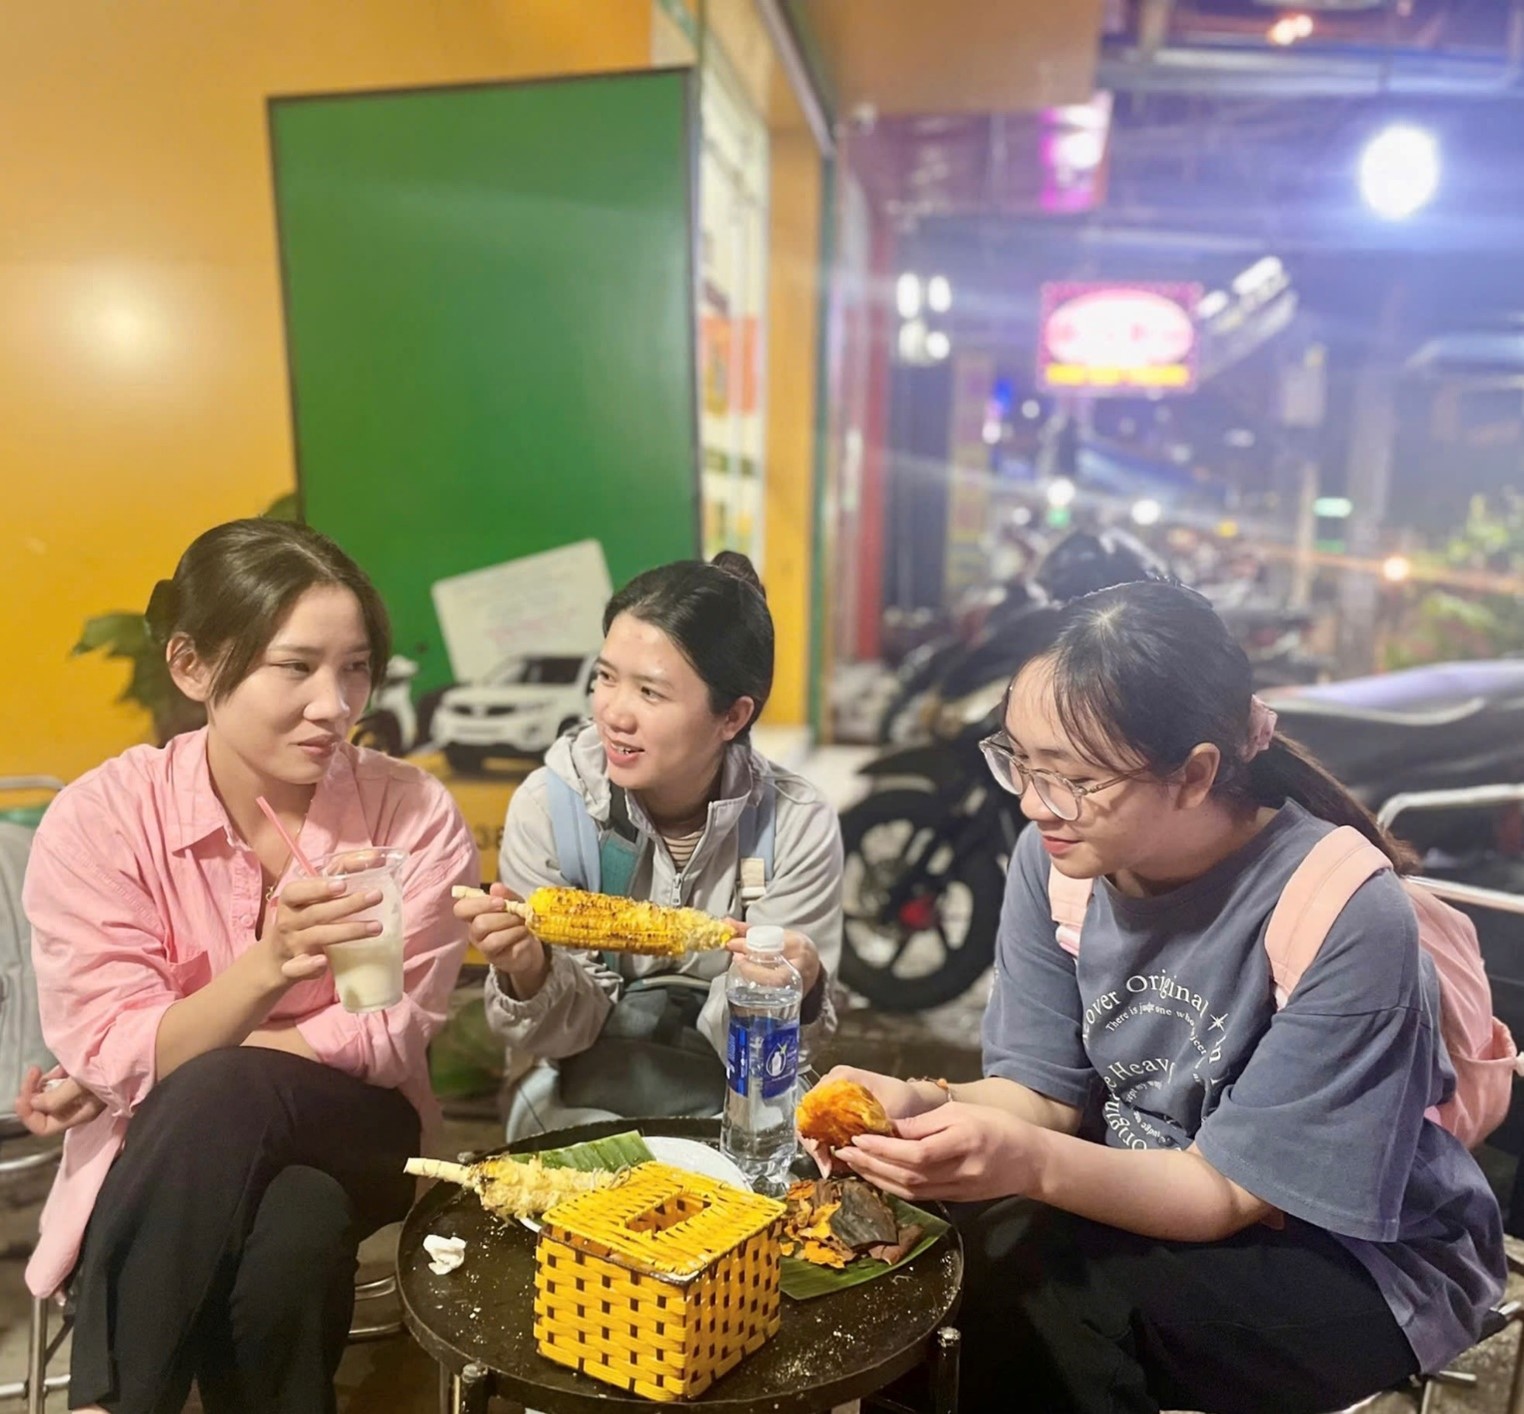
(660, 1284)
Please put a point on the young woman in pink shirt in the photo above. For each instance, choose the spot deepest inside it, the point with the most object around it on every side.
(232, 1131)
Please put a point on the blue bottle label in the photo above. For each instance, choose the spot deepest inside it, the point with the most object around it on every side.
(766, 1048)
(780, 1058)
(738, 1055)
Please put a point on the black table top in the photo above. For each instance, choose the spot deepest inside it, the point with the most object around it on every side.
(828, 1351)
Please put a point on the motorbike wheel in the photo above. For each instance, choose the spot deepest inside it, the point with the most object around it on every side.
(943, 939)
(428, 704)
(465, 760)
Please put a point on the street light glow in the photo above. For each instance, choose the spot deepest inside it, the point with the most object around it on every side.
(1399, 171)
(1290, 28)
(1060, 492)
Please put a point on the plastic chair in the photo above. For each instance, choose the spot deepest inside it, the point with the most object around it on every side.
(42, 1347)
(1425, 1388)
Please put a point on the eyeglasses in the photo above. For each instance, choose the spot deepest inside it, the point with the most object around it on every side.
(1063, 797)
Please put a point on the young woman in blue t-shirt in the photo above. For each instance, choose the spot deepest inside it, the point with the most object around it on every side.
(1209, 1203)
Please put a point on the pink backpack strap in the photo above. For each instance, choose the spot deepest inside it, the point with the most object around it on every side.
(1313, 898)
(1067, 901)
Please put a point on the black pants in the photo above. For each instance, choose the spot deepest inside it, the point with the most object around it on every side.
(222, 1246)
(1063, 1314)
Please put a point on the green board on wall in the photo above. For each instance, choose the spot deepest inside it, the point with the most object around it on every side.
(490, 326)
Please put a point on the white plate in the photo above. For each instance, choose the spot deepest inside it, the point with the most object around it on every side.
(688, 1154)
(696, 1157)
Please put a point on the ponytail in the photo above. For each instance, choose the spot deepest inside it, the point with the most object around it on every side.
(1285, 770)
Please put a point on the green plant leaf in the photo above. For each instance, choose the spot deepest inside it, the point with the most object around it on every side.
(804, 1281)
(123, 635)
(465, 1058)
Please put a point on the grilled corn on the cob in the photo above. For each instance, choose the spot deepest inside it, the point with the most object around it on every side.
(510, 1188)
(572, 918)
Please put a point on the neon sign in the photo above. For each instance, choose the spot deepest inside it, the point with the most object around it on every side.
(1114, 339)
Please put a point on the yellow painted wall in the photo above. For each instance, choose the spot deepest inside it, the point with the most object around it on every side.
(793, 296)
(792, 312)
(143, 391)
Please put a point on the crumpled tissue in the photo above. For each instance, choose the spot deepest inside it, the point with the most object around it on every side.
(445, 1253)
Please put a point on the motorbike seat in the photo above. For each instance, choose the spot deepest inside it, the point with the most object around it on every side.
(1443, 694)
(1448, 724)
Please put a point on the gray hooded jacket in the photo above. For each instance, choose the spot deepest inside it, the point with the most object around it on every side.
(565, 1017)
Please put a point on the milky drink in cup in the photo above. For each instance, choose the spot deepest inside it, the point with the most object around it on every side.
(368, 973)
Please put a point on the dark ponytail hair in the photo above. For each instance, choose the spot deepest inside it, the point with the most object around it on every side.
(717, 616)
(237, 582)
(1148, 671)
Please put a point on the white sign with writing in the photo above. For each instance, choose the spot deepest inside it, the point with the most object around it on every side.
(541, 604)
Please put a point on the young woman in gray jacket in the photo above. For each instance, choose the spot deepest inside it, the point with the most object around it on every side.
(663, 798)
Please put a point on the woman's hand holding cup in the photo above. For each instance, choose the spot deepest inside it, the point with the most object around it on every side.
(311, 915)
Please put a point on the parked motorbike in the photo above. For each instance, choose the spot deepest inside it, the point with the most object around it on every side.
(390, 723)
(1274, 638)
(920, 671)
(926, 853)
(979, 656)
(1446, 726)
(927, 849)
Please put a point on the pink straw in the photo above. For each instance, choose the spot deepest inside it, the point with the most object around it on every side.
(280, 829)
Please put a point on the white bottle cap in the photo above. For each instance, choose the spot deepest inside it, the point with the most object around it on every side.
(765, 939)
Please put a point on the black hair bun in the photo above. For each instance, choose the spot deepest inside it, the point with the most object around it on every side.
(739, 566)
(163, 610)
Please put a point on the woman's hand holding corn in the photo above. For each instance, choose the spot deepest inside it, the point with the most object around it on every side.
(500, 935)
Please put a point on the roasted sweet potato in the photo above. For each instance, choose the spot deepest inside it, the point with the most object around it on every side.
(835, 1112)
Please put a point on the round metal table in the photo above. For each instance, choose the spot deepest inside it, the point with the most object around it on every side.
(477, 1321)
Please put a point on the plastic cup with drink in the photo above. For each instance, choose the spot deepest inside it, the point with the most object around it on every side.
(367, 973)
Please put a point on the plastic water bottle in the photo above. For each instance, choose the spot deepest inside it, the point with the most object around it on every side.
(757, 1129)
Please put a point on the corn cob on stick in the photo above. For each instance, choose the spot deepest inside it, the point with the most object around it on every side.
(510, 1188)
(572, 918)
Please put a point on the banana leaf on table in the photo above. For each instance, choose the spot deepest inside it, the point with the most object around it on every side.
(804, 1281)
(618, 1151)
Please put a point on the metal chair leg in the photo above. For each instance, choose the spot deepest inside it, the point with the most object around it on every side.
(37, 1358)
(467, 1392)
(374, 1330)
(946, 1350)
(1516, 1388)
(376, 1290)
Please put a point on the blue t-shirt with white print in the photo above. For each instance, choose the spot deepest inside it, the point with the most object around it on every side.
(1168, 1019)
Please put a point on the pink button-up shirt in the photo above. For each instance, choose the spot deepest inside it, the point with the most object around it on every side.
(139, 893)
